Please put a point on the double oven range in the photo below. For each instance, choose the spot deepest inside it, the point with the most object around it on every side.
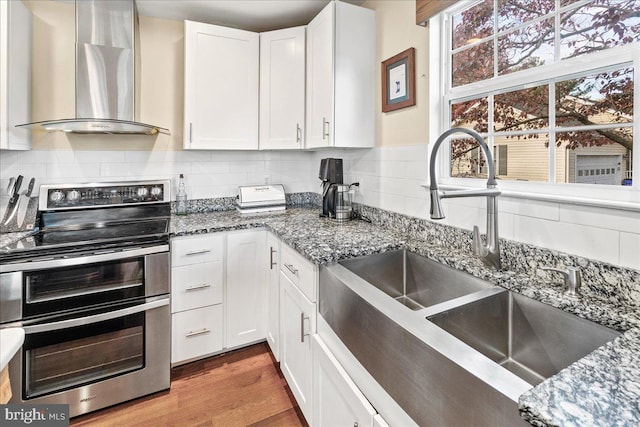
(91, 289)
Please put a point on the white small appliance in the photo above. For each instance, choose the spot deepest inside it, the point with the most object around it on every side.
(261, 198)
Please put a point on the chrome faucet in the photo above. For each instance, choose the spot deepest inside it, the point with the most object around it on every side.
(572, 279)
(489, 253)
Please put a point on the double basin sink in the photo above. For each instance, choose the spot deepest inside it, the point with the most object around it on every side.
(530, 339)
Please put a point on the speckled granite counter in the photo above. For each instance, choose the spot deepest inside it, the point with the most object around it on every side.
(318, 239)
(600, 389)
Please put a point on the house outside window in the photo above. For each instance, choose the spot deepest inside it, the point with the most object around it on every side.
(552, 83)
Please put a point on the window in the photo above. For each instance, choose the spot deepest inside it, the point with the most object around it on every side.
(552, 83)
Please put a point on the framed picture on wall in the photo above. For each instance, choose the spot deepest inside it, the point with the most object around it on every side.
(399, 81)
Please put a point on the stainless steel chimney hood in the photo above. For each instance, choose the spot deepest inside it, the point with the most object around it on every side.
(106, 77)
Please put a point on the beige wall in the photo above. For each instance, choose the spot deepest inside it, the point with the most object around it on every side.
(161, 92)
(396, 31)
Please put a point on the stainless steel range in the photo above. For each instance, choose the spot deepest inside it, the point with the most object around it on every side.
(91, 289)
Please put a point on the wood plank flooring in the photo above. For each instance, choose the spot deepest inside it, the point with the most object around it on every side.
(240, 388)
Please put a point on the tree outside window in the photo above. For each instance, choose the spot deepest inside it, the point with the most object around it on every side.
(586, 119)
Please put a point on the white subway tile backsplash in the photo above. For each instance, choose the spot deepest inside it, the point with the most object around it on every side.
(209, 167)
(390, 178)
(604, 218)
(532, 208)
(590, 242)
(630, 250)
(105, 157)
(74, 170)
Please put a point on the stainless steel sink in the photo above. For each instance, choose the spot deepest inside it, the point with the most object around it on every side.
(413, 280)
(531, 339)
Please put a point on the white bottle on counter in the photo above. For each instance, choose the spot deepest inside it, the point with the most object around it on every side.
(181, 198)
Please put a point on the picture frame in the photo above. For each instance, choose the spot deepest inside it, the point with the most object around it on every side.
(398, 81)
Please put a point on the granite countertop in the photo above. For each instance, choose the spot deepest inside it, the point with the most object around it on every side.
(600, 389)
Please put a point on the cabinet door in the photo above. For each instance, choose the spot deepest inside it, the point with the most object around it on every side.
(221, 87)
(297, 325)
(15, 75)
(354, 82)
(320, 79)
(247, 288)
(273, 307)
(337, 400)
(282, 85)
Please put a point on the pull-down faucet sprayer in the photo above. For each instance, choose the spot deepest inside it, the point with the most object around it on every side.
(489, 253)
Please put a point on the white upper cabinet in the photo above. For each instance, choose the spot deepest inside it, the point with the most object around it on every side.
(282, 85)
(341, 68)
(221, 88)
(15, 75)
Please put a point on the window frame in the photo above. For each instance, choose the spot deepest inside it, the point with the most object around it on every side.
(441, 93)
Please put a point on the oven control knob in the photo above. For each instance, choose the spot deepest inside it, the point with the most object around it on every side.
(73, 195)
(56, 196)
(156, 191)
(142, 191)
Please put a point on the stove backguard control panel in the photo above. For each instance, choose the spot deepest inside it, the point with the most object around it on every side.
(69, 196)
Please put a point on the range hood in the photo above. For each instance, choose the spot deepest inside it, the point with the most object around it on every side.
(106, 77)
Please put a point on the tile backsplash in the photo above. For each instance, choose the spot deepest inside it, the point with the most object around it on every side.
(390, 177)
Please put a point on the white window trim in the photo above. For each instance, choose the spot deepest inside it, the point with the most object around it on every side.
(604, 196)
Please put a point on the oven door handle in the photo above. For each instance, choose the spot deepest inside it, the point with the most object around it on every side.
(95, 318)
(82, 260)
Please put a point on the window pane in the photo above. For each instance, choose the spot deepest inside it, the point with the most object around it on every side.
(597, 99)
(521, 109)
(591, 157)
(473, 114)
(515, 12)
(599, 25)
(528, 47)
(473, 64)
(467, 159)
(473, 24)
(527, 157)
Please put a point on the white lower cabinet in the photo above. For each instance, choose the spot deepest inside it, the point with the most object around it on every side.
(337, 400)
(273, 304)
(218, 291)
(247, 288)
(196, 332)
(297, 325)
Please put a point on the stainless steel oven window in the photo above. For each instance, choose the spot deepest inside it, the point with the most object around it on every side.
(61, 359)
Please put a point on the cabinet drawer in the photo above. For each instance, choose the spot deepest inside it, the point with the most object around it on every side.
(197, 285)
(300, 271)
(195, 249)
(196, 333)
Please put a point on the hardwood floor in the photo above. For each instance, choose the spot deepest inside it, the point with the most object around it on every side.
(240, 388)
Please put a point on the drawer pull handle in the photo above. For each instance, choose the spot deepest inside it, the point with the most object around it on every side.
(197, 288)
(273, 251)
(202, 251)
(292, 269)
(192, 334)
(298, 133)
(302, 334)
